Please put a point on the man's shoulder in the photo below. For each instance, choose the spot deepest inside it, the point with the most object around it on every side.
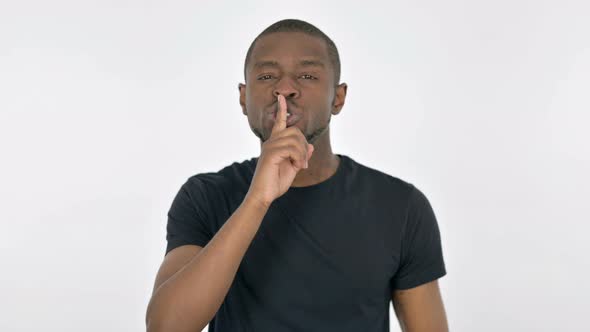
(380, 178)
(384, 189)
(232, 176)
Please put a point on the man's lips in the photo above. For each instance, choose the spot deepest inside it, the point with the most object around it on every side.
(291, 119)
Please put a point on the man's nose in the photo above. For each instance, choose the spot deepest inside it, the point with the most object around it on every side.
(286, 88)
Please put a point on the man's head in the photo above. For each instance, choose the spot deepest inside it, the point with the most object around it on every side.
(292, 25)
(295, 59)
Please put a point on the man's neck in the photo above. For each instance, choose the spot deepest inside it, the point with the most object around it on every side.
(317, 171)
(322, 164)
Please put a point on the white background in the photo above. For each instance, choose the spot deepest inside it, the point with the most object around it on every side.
(107, 107)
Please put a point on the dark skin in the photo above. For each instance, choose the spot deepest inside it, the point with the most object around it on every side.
(298, 67)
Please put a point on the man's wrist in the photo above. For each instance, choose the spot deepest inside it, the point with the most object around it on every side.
(256, 202)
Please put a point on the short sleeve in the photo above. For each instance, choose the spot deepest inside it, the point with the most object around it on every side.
(421, 250)
(188, 217)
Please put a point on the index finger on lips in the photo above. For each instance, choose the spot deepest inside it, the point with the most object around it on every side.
(281, 119)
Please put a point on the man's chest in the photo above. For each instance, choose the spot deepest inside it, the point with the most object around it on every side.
(337, 261)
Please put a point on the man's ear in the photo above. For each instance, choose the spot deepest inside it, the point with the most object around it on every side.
(340, 96)
(242, 89)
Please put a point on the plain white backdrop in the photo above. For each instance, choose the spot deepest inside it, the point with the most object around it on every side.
(107, 107)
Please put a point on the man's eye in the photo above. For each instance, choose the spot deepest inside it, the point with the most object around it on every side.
(308, 77)
(263, 77)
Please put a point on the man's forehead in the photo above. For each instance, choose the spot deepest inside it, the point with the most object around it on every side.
(281, 45)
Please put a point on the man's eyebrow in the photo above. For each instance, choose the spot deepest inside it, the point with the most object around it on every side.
(261, 64)
(312, 63)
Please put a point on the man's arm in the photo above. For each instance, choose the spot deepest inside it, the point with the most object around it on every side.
(420, 309)
(189, 299)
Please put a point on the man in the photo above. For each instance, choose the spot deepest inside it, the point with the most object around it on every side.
(299, 238)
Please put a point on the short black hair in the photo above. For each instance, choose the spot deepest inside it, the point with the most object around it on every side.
(294, 25)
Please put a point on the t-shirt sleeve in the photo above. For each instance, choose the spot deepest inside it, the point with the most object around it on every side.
(188, 220)
(421, 250)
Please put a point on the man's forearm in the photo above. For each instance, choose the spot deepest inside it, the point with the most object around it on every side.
(189, 299)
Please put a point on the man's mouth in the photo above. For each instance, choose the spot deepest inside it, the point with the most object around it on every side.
(292, 118)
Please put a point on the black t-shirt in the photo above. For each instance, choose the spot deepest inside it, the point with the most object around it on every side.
(326, 257)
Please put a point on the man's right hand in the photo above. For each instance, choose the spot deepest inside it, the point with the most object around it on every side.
(284, 154)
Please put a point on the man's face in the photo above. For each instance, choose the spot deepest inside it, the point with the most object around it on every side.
(297, 66)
